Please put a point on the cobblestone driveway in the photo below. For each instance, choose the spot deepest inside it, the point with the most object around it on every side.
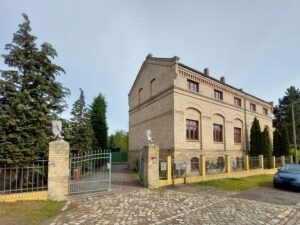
(172, 207)
(128, 203)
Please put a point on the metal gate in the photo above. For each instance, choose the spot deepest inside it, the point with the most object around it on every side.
(90, 172)
(141, 167)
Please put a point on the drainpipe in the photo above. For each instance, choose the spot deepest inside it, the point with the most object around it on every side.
(246, 129)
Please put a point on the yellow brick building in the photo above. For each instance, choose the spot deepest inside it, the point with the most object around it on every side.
(191, 113)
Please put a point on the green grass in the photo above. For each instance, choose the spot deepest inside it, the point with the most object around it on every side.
(29, 212)
(240, 184)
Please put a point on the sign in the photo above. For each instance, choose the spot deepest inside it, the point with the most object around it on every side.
(163, 166)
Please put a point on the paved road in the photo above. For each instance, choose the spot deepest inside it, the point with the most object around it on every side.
(183, 204)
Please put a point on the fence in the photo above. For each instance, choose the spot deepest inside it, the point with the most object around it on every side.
(29, 178)
(215, 165)
(238, 164)
(221, 167)
(254, 162)
(119, 156)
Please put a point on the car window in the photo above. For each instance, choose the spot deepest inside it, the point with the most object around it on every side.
(291, 168)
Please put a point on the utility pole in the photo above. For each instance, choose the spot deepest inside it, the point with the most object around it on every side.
(294, 133)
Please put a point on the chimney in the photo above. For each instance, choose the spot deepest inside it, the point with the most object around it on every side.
(222, 79)
(206, 72)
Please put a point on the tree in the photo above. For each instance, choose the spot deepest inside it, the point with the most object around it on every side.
(266, 146)
(255, 138)
(281, 142)
(121, 140)
(98, 120)
(283, 114)
(276, 142)
(30, 97)
(111, 143)
(81, 131)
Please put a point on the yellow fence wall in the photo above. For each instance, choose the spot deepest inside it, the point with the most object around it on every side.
(25, 196)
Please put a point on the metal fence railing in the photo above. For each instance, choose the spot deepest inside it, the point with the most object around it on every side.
(288, 159)
(253, 162)
(238, 164)
(277, 162)
(179, 170)
(27, 178)
(215, 165)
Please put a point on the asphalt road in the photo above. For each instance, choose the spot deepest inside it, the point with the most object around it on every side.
(271, 195)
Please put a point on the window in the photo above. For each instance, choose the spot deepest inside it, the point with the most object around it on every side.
(218, 133)
(140, 95)
(193, 86)
(151, 87)
(219, 95)
(265, 111)
(192, 129)
(194, 164)
(237, 101)
(252, 107)
(237, 135)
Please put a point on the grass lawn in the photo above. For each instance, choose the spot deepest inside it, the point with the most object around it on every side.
(29, 212)
(240, 184)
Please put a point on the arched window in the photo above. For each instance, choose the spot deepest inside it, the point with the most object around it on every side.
(152, 87)
(195, 164)
(140, 95)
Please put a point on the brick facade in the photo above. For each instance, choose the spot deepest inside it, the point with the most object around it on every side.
(160, 100)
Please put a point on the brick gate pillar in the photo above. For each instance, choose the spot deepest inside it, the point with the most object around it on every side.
(151, 166)
(58, 170)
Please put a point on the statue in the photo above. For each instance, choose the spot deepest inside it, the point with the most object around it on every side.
(56, 130)
(149, 137)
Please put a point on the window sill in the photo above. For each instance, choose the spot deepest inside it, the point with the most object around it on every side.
(238, 143)
(215, 142)
(196, 140)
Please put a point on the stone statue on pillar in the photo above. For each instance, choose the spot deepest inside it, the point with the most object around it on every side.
(57, 129)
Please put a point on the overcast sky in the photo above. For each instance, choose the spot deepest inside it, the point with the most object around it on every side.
(102, 44)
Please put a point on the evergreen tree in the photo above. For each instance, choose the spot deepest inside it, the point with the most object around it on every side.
(276, 142)
(255, 138)
(81, 132)
(283, 114)
(30, 97)
(284, 142)
(98, 120)
(266, 146)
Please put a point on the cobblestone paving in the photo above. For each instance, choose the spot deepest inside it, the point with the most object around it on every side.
(142, 206)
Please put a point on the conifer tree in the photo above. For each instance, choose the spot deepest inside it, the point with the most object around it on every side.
(98, 120)
(276, 142)
(266, 146)
(81, 132)
(284, 141)
(30, 97)
(255, 138)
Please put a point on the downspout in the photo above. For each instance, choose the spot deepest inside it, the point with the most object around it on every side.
(246, 129)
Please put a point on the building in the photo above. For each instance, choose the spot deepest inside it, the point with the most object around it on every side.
(191, 113)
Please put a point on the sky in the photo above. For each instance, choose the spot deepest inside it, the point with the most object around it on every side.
(102, 44)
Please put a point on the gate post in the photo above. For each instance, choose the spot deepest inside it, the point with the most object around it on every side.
(151, 166)
(58, 170)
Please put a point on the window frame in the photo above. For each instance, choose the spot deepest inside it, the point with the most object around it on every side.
(193, 85)
(218, 94)
(237, 100)
(191, 131)
(218, 133)
(265, 111)
(237, 139)
(253, 107)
